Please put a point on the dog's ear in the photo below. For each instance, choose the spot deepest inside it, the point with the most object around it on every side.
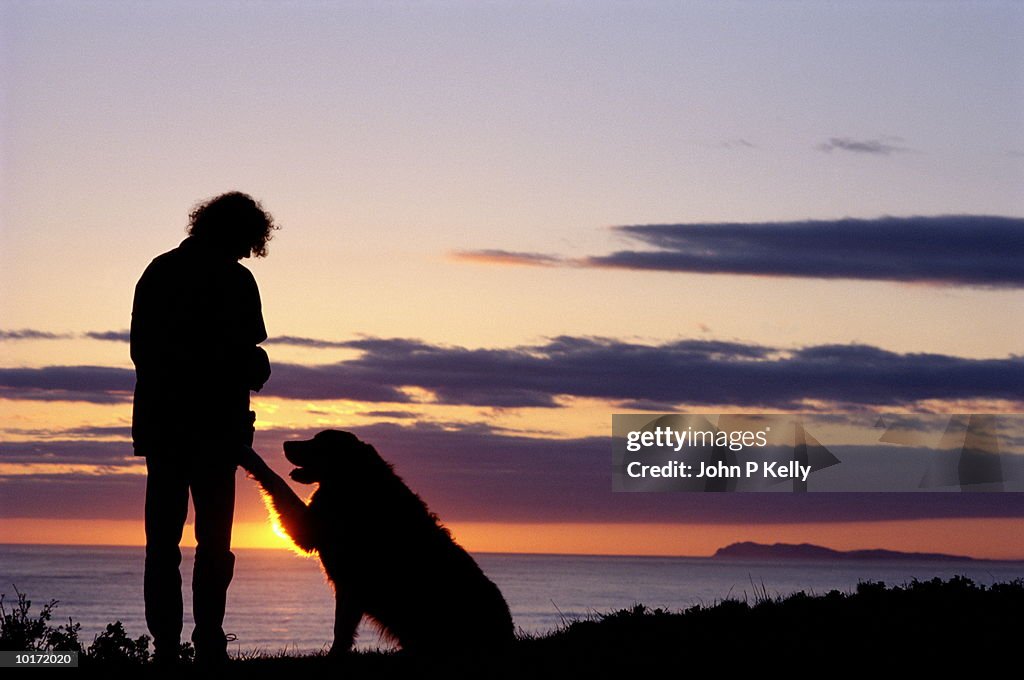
(303, 476)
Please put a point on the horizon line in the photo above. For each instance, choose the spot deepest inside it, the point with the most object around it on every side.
(288, 549)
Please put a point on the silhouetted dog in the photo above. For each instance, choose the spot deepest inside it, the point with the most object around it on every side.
(386, 554)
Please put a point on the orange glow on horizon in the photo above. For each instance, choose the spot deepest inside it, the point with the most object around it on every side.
(986, 538)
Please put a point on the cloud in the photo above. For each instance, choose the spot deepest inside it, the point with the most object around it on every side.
(110, 336)
(509, 258)
(296, 341)
(404, 415)
(878, 147)
(94, 384)
(31, 334)
(963, 250)
(291, 340)
(75, 496)
(682, 373)
(108, 385)
(472, 472)
(125, 336)
(69, 451)
(953, 249)
(34, 334)
(84, 432)
(467, 472)
(343, 380)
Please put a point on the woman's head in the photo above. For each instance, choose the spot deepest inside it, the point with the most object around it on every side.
(234, 223)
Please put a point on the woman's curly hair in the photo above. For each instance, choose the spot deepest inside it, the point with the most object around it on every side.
(234, 220)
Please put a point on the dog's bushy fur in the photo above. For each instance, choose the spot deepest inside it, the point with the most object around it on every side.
(387, 556)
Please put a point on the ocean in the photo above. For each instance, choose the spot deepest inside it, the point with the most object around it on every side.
(96, 585)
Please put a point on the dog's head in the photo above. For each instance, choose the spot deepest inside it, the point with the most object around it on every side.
(331, 455)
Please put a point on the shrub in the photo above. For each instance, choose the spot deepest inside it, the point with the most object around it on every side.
(21, 631)
(113, 647)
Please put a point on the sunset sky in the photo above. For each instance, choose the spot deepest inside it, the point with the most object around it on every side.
(502, 223)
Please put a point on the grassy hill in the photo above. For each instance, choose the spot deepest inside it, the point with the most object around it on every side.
(924, 624)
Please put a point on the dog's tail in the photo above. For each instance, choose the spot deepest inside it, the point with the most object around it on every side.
(288, 512)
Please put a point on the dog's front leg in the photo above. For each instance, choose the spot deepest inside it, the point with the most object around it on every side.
(291, 510)
(347, 615)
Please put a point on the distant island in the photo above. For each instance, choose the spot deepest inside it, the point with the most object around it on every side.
(806, 551)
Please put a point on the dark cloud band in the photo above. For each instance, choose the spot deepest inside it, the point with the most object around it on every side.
(964, 250)
(686, 372)
(475, 473)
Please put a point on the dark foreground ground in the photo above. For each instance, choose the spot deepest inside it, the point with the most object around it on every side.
(933, 625)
